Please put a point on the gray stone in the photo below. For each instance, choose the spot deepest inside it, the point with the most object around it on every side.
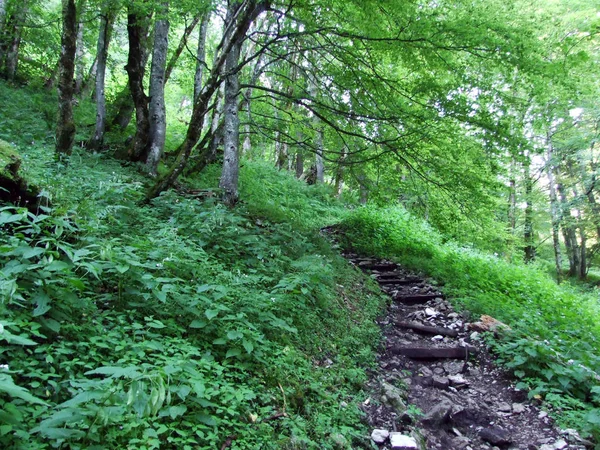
(560, 444)
(458, 380)
(504, 407)
(439, 413)
(453, 367)
(542, 415)
(425, 371)
(518, 408)
(495, 436)
(440, 382)
(380, 436)
(401, 441)
(393, 398)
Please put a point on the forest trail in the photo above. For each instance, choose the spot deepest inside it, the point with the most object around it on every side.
(433, 358)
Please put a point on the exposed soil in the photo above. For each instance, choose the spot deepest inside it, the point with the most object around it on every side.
(464, 400)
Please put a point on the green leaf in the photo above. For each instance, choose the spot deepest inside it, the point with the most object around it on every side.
(176, 411)
(7, 385)
(42, 302)
(211, 313)
(233, 335)
(32, 252)
(198, 324)
(248, 345)
(116, 372)
(233, 352)
(122, 268)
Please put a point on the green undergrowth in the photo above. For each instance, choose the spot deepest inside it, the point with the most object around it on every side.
(180, 324)
(553, 346)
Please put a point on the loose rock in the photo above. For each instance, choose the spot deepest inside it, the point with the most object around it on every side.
(380, 436)
(400, 441)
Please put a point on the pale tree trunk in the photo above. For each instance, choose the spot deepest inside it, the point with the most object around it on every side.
(247, 146)
(65, 128)
(339, 173)
(582, 269)
(235, 34)
(512, 198)
(158, 115)
(137, 27)
(231, 135)
(88, 85)
(179, 50)
(106, 22)
(13, 33)
(569, 234)
(299, 158)
(364, 191)
(319, 157)
(79, 63)
(200, 55)
(554, 211)
(529, 248)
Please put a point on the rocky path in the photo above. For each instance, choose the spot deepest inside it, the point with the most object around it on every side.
(433, 359)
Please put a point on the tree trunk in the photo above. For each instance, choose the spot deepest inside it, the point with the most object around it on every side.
(79, 63)
(231, 135)
(65, 128)
(319, 157)
(88, 86)
(104, 33)
(364, 191)
(512, 198)
(236, 33)
(200, 56)
(554, 212)
(2, 32)
(179, 50)
(569, 234)
(529, 248)
(299, 158)
(158, 114)
(14, 31)
(137, 27)
(339, 173)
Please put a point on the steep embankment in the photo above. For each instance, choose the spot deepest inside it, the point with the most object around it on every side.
(180, 324)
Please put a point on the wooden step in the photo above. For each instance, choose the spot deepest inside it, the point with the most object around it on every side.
(378, 266)
(416, 299)
(426, 329)
(433, 353)
(398, 281)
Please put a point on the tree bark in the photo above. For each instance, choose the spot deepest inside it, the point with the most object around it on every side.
(569, 234)
(179, 50)
(79, 63)
(529, 248)
(2, 32)
(104, 35)
(65, 128)
(231, 135)
(137, 27)
(88, 87)
(158, 115)
(200, 56)
(339, 173)
(252, 8)
(13, 33)
(554, 211)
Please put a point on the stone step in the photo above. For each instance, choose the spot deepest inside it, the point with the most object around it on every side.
(380, 266)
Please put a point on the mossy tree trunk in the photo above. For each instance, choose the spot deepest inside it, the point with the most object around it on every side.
(65, 127)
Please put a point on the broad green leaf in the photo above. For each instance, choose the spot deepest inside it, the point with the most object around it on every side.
(211, 313)
(7, 385)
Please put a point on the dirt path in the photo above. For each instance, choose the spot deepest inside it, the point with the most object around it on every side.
(460, 399)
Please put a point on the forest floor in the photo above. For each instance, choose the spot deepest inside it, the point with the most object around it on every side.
(437, 386)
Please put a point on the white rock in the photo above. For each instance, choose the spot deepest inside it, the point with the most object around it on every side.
(437, 338)
(380, 436)
(430, 312)
(400, 441)
(518, 408)
(560, 444)
(542, 415)
(458, 380)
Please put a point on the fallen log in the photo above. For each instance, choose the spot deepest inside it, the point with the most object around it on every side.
(425, 329)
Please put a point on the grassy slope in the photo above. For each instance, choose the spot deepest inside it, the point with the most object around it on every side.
(553, 348)
(178, 324)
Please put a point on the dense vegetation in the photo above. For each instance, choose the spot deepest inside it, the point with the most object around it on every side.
(169, 286)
